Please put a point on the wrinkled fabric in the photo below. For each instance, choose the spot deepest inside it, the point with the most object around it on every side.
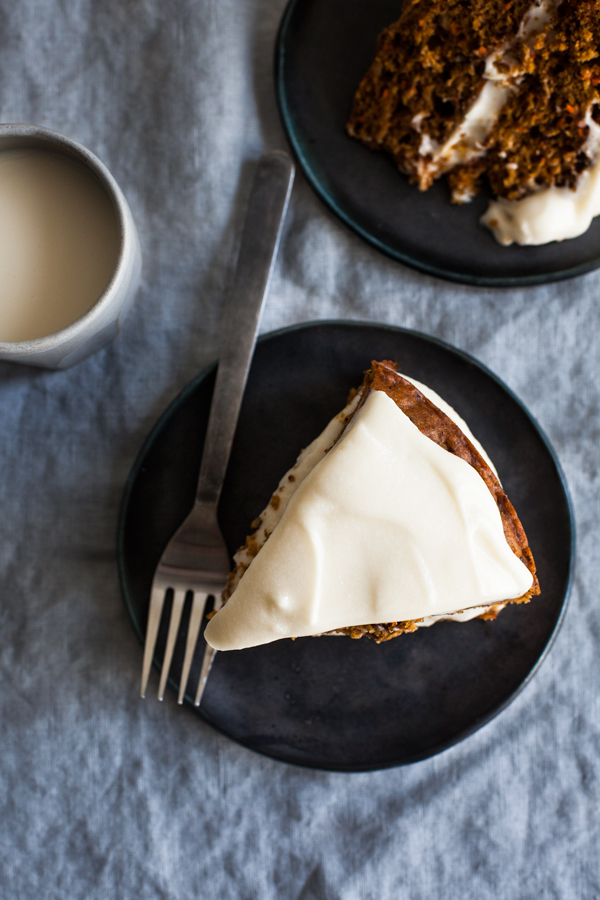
(105, 796)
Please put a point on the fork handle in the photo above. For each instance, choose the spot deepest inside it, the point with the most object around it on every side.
(268, 204)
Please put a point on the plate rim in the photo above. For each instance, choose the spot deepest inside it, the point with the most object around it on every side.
(180, 398)
(287, 120)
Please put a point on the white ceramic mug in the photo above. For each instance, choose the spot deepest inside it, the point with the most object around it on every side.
(100, 324)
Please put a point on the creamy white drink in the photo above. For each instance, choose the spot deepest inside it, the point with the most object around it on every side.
(59, 243)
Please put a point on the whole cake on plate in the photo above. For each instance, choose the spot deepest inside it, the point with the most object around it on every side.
(392, 519)
(506, 91)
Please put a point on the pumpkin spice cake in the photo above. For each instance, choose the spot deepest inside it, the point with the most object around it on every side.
(391, 520)
(502, 91)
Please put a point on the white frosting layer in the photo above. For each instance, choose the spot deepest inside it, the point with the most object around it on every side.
(537, 17)
(555, 213)
(388, 526)
(466, 141)
(314, 453)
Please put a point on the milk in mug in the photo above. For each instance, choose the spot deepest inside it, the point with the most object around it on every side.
(59, 242)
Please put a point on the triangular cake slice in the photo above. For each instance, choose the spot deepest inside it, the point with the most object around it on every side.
(392, 519)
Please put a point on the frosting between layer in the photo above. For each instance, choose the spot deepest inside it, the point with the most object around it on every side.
(501, 77)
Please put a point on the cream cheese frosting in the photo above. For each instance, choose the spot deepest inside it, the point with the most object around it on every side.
(386, 526)
(555, 213)
(314, 453)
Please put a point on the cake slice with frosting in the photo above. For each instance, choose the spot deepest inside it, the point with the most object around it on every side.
(499, 91)
(392, 519)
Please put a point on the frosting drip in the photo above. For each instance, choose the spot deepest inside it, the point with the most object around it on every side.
(555, 213)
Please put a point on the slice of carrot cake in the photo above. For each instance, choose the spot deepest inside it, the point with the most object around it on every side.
(392, 519)
(506, 91)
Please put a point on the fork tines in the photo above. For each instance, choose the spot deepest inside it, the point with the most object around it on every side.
(160, 589)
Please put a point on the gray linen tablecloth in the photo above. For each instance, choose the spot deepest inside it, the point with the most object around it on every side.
(105, 796)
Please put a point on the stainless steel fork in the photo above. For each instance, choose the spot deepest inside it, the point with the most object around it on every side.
(196, 560)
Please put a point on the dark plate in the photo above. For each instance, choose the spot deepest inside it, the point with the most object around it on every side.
(323, 50)
(332, 702)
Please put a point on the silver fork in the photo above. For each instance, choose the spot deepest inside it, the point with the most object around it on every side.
(196, 560)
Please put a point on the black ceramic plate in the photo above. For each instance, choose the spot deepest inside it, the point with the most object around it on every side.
(323, 50)
(332, 702)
